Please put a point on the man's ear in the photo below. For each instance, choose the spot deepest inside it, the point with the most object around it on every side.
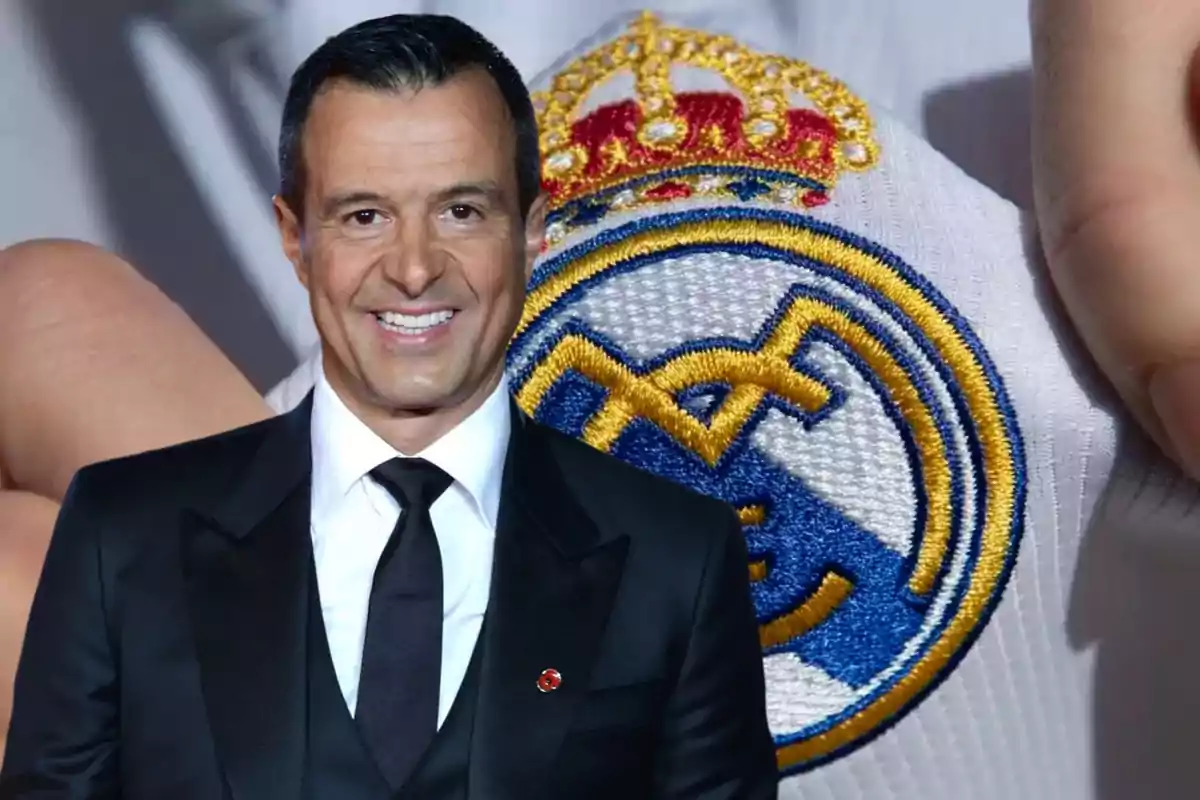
(291, 234)
(535, 232)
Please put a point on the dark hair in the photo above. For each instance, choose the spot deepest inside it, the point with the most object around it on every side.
(405, 51)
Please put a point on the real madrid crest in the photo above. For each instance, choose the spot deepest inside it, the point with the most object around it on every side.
(691, 316)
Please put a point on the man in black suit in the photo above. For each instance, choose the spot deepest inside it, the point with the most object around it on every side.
(297, 609)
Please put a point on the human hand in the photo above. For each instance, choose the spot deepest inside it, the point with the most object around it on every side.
(1117, 189)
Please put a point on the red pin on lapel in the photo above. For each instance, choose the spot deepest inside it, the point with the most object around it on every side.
(549, 680)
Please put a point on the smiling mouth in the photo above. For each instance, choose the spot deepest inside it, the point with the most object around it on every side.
(413, 324)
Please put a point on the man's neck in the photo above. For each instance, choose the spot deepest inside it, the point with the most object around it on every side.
(411, 431)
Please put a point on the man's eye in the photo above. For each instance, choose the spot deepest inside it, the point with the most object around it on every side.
(463, 212)
(367, 216)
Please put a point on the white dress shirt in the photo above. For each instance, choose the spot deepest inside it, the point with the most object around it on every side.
(353, 517)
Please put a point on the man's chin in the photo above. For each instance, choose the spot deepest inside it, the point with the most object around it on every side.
(409, 398)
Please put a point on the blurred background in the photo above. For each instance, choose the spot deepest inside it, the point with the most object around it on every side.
(148, 126)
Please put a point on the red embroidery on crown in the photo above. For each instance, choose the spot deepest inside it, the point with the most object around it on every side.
(814, 198)
(671, 190)
(714, 137)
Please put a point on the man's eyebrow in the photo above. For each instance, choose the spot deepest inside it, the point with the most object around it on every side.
(343, 199)
(489, 190)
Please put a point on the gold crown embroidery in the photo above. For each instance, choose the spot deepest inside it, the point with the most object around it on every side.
(662, 145)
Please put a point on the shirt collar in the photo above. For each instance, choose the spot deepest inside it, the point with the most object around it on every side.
(345, 450)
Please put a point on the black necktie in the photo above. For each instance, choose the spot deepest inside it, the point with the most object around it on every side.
(398, 688)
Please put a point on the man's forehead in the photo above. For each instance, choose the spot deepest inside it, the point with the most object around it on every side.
(458, 114)
(387, 143)
(471, 89)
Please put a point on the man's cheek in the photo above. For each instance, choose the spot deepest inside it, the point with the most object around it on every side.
(343, 281)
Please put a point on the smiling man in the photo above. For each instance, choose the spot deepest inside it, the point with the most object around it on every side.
(403, 587)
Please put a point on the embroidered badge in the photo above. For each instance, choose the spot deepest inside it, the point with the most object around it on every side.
(691, 316)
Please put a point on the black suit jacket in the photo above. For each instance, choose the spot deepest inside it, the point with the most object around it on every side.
(165, 654)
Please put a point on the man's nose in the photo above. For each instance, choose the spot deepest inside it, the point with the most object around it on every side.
(414, 263)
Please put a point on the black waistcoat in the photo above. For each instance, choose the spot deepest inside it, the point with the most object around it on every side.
(338, 765)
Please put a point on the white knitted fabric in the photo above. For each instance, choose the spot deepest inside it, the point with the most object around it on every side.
(1081, 683)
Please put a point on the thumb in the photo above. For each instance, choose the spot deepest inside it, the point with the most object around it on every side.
(1117, 192)
(1173, 384)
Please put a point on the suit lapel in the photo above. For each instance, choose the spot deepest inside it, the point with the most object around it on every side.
(247, 566)
(554, 579)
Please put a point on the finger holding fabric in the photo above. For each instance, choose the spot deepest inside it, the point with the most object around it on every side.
(1117, 184)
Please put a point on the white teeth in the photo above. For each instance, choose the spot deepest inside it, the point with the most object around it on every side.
(413, 323)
